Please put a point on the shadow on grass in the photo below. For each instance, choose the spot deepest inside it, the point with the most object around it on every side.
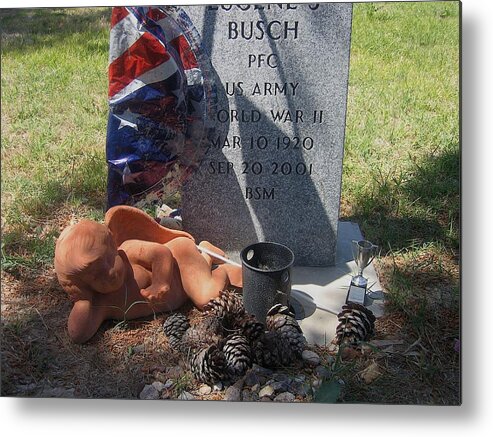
(29, 243)
(81, 190)
(436, 185)
(31, 307)
(40, 360)
(29, 29)
(423, 209)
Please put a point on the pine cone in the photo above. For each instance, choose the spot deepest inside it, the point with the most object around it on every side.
(175, 327)
(227, 307)
(279, 308)
(265, 351)
(248, 326)
(271, 351)
(237, 352)
(226, 339)
(283, 343)
(282, 321)
(208, 364)
(206, 332)
(356, 324)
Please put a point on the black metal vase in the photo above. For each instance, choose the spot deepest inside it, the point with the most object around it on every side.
(266, 277)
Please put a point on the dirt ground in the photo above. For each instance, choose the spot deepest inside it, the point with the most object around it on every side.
(40, 360)
(415, 356)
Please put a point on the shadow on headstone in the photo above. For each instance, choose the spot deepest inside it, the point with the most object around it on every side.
(201, 211)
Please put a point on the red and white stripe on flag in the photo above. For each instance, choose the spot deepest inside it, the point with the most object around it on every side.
(137, 57)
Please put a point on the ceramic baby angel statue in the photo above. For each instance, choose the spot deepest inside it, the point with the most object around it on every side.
(133, 267)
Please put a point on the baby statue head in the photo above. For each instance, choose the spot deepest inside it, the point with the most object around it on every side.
(86, 256)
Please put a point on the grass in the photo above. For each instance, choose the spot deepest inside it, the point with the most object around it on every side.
(401, 169)
(53, 124)
(401, 181)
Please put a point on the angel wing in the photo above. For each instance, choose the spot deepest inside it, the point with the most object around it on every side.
(130, 223)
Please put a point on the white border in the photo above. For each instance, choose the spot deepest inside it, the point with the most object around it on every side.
(115, 418)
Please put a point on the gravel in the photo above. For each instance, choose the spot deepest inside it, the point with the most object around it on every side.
(205, 389)
(311, 358)
(268, 390)
(149, 392)
(285, 397)
(233, 393)
(186, 396)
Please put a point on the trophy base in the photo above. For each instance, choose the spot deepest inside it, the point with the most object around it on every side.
(356, 294)
(359, 281)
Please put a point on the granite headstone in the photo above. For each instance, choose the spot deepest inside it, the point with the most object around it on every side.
(272, 169)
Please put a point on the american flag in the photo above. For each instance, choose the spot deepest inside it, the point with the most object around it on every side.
(159, 103)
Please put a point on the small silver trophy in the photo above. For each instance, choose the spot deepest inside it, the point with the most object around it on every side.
(363, 252)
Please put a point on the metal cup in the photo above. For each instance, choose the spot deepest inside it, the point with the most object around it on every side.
(266, 277)
(363, 252)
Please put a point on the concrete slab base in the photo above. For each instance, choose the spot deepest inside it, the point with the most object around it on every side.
(318, 293)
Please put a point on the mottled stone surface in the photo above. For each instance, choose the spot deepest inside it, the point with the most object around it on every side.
(273, 169)
(310, 357)
(266, 391)
(233, 392)
(159, 386)
(149, 392)
(186, 396)
(285, 397)
(205, 389)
